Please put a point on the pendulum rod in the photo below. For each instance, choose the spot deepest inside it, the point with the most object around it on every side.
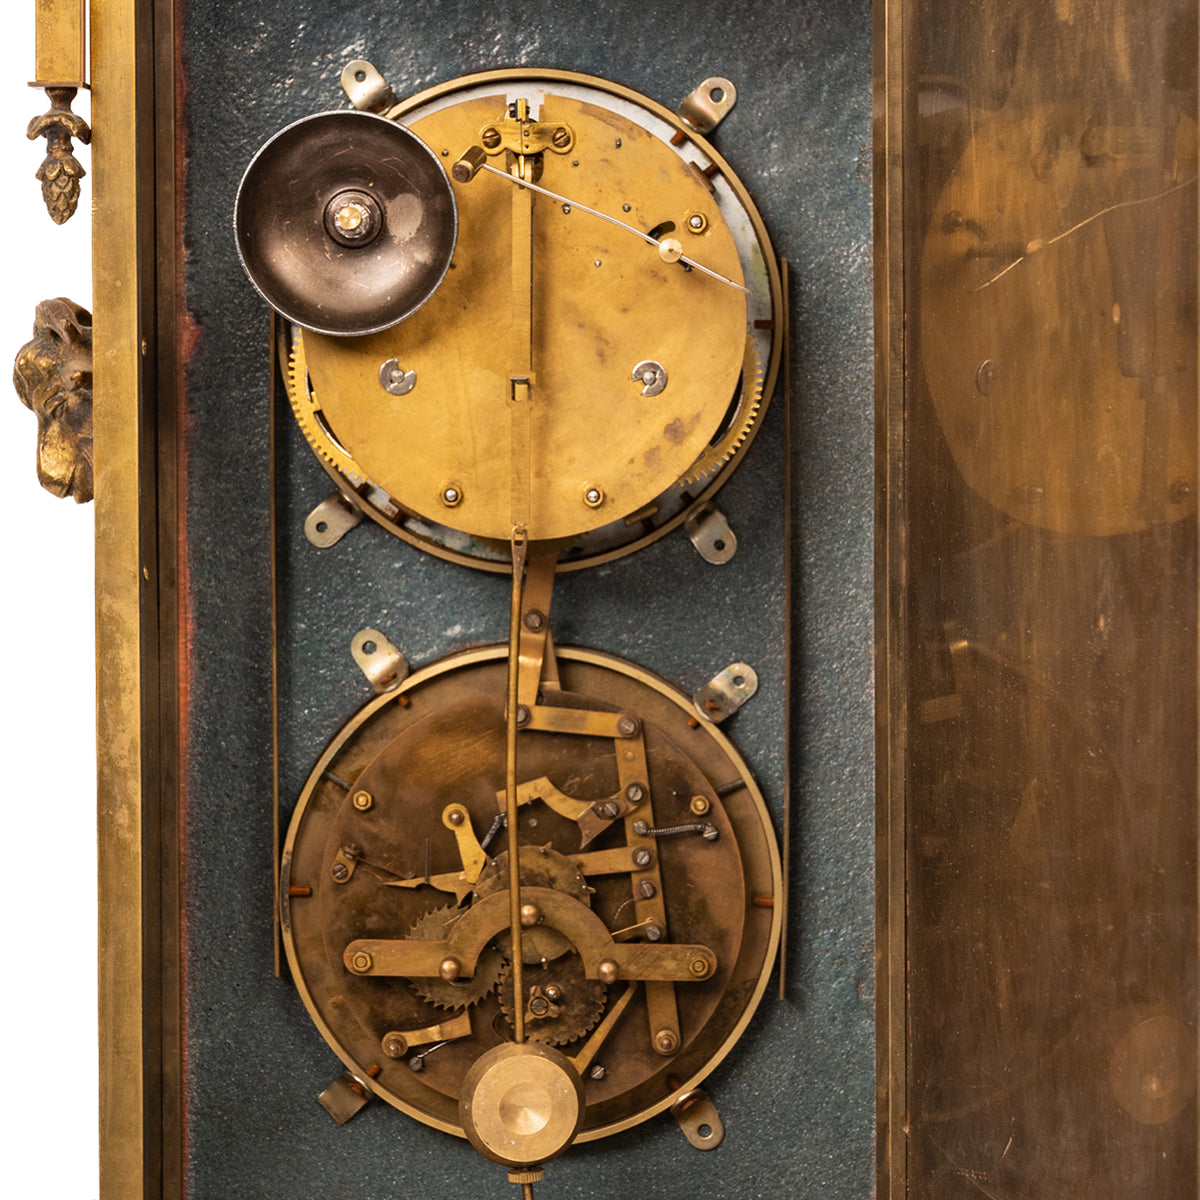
(519, 399)
(519, 545)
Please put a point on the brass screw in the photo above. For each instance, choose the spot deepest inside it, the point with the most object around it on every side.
(349, 217)
(535, 620)
(647, 890)
(607, 811)
(562, 137)
(450, 969)
(340, 872)
(455, 816)
(361, 962)
(362, 801)
(530, 915)
(608, 971)
(526, 1176)
(394, 1047)
(700, 805)
(490, 137)
(635, 793)
(666, 1041)
(627, 726)
(642, 857)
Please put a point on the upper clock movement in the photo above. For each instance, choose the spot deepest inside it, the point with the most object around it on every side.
(599, 351)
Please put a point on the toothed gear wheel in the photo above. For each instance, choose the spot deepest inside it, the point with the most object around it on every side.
(561, 1003)
(737, 426)
(307, 409)
(463, 993)
(540, 867)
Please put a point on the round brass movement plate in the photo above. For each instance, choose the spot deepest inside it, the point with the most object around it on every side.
(402, 958)
(565, 375)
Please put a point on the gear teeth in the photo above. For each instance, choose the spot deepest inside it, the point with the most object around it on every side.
(449, 997)
(582, 1006)
(750, 405)
(305, 408)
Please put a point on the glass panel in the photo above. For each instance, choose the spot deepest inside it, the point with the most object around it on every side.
(1048, 609)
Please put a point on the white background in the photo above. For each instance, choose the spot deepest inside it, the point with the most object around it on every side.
(48, 1132)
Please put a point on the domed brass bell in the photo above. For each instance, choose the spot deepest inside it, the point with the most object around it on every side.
(346, 222)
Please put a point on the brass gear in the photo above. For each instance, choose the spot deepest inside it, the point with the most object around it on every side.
(307, 408)
(561, 1003)
(736, 429)
(540, 867)
(463, 993)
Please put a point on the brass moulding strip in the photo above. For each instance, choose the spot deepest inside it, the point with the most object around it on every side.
(129, 999)
(890, 150)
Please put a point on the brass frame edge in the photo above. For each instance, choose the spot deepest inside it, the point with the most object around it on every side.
(889, 111)
(130, 855)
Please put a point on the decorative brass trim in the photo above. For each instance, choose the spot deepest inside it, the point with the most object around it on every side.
(128, 1121)
(890, 611)
(53, 377)
(60, 171)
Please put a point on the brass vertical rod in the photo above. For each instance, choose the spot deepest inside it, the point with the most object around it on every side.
(272, 522)
(788, 523)
(519, 545)
(520, 385)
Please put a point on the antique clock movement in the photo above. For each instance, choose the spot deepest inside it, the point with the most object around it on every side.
(528, 321)
(474, 625)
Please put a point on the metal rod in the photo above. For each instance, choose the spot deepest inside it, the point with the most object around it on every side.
(595, 212)
(519, 545)
(789, 499)
(273, 534)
